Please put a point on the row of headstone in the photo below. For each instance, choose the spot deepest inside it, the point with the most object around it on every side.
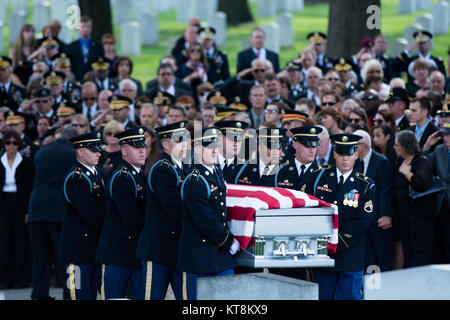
(269, 8)
(440, 12)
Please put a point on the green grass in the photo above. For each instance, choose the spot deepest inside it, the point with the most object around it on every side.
(310, 19)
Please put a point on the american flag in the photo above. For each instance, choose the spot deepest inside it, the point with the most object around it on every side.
(244, 201)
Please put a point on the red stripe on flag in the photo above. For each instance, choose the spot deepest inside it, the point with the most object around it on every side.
(240, 213)
(272, 202)
(296, 202)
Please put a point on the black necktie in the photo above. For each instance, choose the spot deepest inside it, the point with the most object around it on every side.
(266, 171)
(340, 184)
(302, 167)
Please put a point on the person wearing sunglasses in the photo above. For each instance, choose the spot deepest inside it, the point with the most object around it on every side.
(195, 69)
(358, 115)
(330, 99)
(16, 174)
(218, 61)
(80, 123)
(42, 99)
(89, 96)
(111, 157)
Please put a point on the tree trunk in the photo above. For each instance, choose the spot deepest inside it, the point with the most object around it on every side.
(100, 12)
(237, 11)
(348, 24)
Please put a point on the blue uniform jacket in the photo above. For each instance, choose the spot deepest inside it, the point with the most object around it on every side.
(205, 239)
(354, 219)
(124, 218)
(159, 238)
(84, 201)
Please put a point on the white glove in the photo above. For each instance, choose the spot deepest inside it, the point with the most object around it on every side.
(234, 247)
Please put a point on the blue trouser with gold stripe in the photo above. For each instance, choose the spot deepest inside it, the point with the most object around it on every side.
(190, 282)
(82, 281)
(338, 285)
(115, 280)
(157, 278)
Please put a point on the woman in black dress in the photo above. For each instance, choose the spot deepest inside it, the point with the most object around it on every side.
(415, 217)
(16, 182)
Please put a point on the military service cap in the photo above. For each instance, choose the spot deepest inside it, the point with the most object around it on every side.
(293, 115)
(422, 36)
(61, 60)
(13, 118)
(238, 104)
(293, 66)
(224, 112)
(91, 141)
(65, 109)
(134, 137)
(176, 130)
(345, 144)
(101, 63)
(343, 64)
(444, 112)
(307, 136)
(54, 77)
(207, 33)
(216, 98)
(232, 128)
(316, 37)
(445, 128)
(118, 102)
(397, 94)
(208, 137)
(271, 137)
(49, 42)
(5, 62)
(42, 92)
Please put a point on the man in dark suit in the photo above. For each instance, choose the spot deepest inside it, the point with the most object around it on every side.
(206, 243)
(420, 109)
(378, 245)
(166, 83)
(84, 201)
(354, 194)
(257, 50)
(84, 50)
(152, 84)
(405, 62)
(317, 41)
(398, 102)
(46, 211)
(183, 43)
(440, 160)
(124, 219)
(158, 244)
(379, 48)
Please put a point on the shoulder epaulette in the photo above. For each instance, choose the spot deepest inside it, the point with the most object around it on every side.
(165, 162)
(284, 163)
(325, 167)
(364, 178)
(124, 170)
(196, 174)
(77, 172)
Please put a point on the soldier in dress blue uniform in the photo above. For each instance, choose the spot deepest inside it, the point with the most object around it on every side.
(101, 78)
(291, 119)
(124, 219)
(11, 94)
(206, 244)
(354, 194)
(84, 202)
(317, 40)
(231, 142)
(71, 89)
(120, 105)
(345, 67)
(158, 243)
(218, 70)
(261, 171)
(302, 169)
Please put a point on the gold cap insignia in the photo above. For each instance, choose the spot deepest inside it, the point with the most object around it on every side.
(344, 139)
(141, 131)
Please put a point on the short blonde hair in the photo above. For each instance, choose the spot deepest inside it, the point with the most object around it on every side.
(113, 125)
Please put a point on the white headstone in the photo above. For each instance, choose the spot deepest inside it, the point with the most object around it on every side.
(162, 6)
(397, 46)
(19, 5)
(246, 43)
(3, 4)
(283, 5)
(171, 43)
(149, 29)
(219, 22)
(16, 21)
(272, 38)
(426, 21)
(440, 14)
(140, 7)
(420, 283)
(66, 35)
(423, 4)
(121, 11)
(130, 39)
(267, 8)
(406, 6)
(41, 15)
(1, 36)
(286, 25)
(295, 5)
(206, 9)
(409, 31)
(186, 9)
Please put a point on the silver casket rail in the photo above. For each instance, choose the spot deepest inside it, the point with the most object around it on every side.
(289, 238)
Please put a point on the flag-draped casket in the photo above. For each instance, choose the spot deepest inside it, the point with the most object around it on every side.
(281, 228)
